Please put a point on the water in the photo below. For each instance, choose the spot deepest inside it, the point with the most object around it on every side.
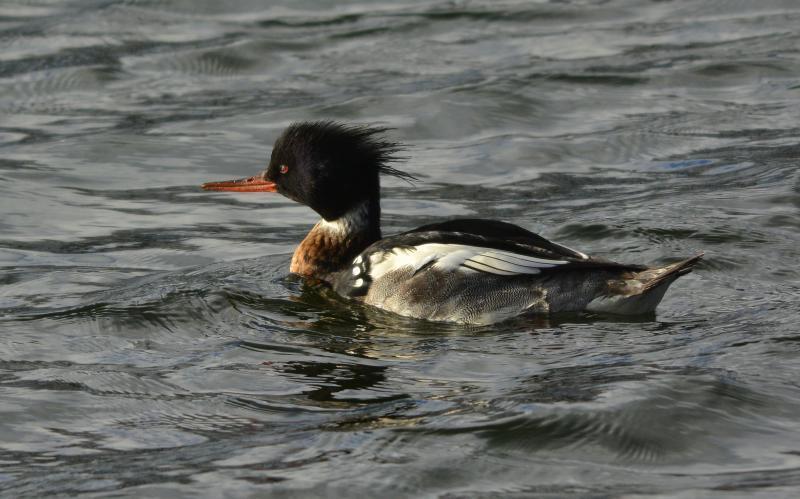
(152, 344)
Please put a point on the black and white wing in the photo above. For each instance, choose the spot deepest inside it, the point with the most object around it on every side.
(496, 234)
(453, 257)
(463, 246)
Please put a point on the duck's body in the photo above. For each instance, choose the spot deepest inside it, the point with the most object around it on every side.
(468, 271)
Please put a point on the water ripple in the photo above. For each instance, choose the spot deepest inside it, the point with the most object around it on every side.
(152, 344)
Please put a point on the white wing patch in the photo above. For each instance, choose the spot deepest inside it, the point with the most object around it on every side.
(507, 263)
(451, 257)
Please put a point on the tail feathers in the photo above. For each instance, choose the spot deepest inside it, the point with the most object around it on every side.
(655, 277)
(640, 292)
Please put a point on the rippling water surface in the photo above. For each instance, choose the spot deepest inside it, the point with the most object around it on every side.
(152, 343)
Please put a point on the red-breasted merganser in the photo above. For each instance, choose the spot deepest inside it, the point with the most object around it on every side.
(469, 270)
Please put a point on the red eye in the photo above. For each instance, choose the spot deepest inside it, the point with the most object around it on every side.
(284, 169)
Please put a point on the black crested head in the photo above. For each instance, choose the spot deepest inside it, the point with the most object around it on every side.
(332, 167)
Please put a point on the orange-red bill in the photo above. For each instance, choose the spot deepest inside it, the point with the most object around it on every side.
(251, 184)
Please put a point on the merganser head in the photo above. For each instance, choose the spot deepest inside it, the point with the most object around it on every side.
(328, 166)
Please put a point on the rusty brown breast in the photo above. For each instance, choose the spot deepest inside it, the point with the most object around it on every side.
(324, 252)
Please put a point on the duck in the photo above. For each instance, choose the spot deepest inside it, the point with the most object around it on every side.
(468, 270)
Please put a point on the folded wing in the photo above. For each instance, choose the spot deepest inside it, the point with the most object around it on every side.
(465, 246)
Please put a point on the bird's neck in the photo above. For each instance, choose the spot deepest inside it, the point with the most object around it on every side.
(332, 245)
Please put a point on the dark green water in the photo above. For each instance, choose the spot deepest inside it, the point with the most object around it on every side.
(152, 344)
